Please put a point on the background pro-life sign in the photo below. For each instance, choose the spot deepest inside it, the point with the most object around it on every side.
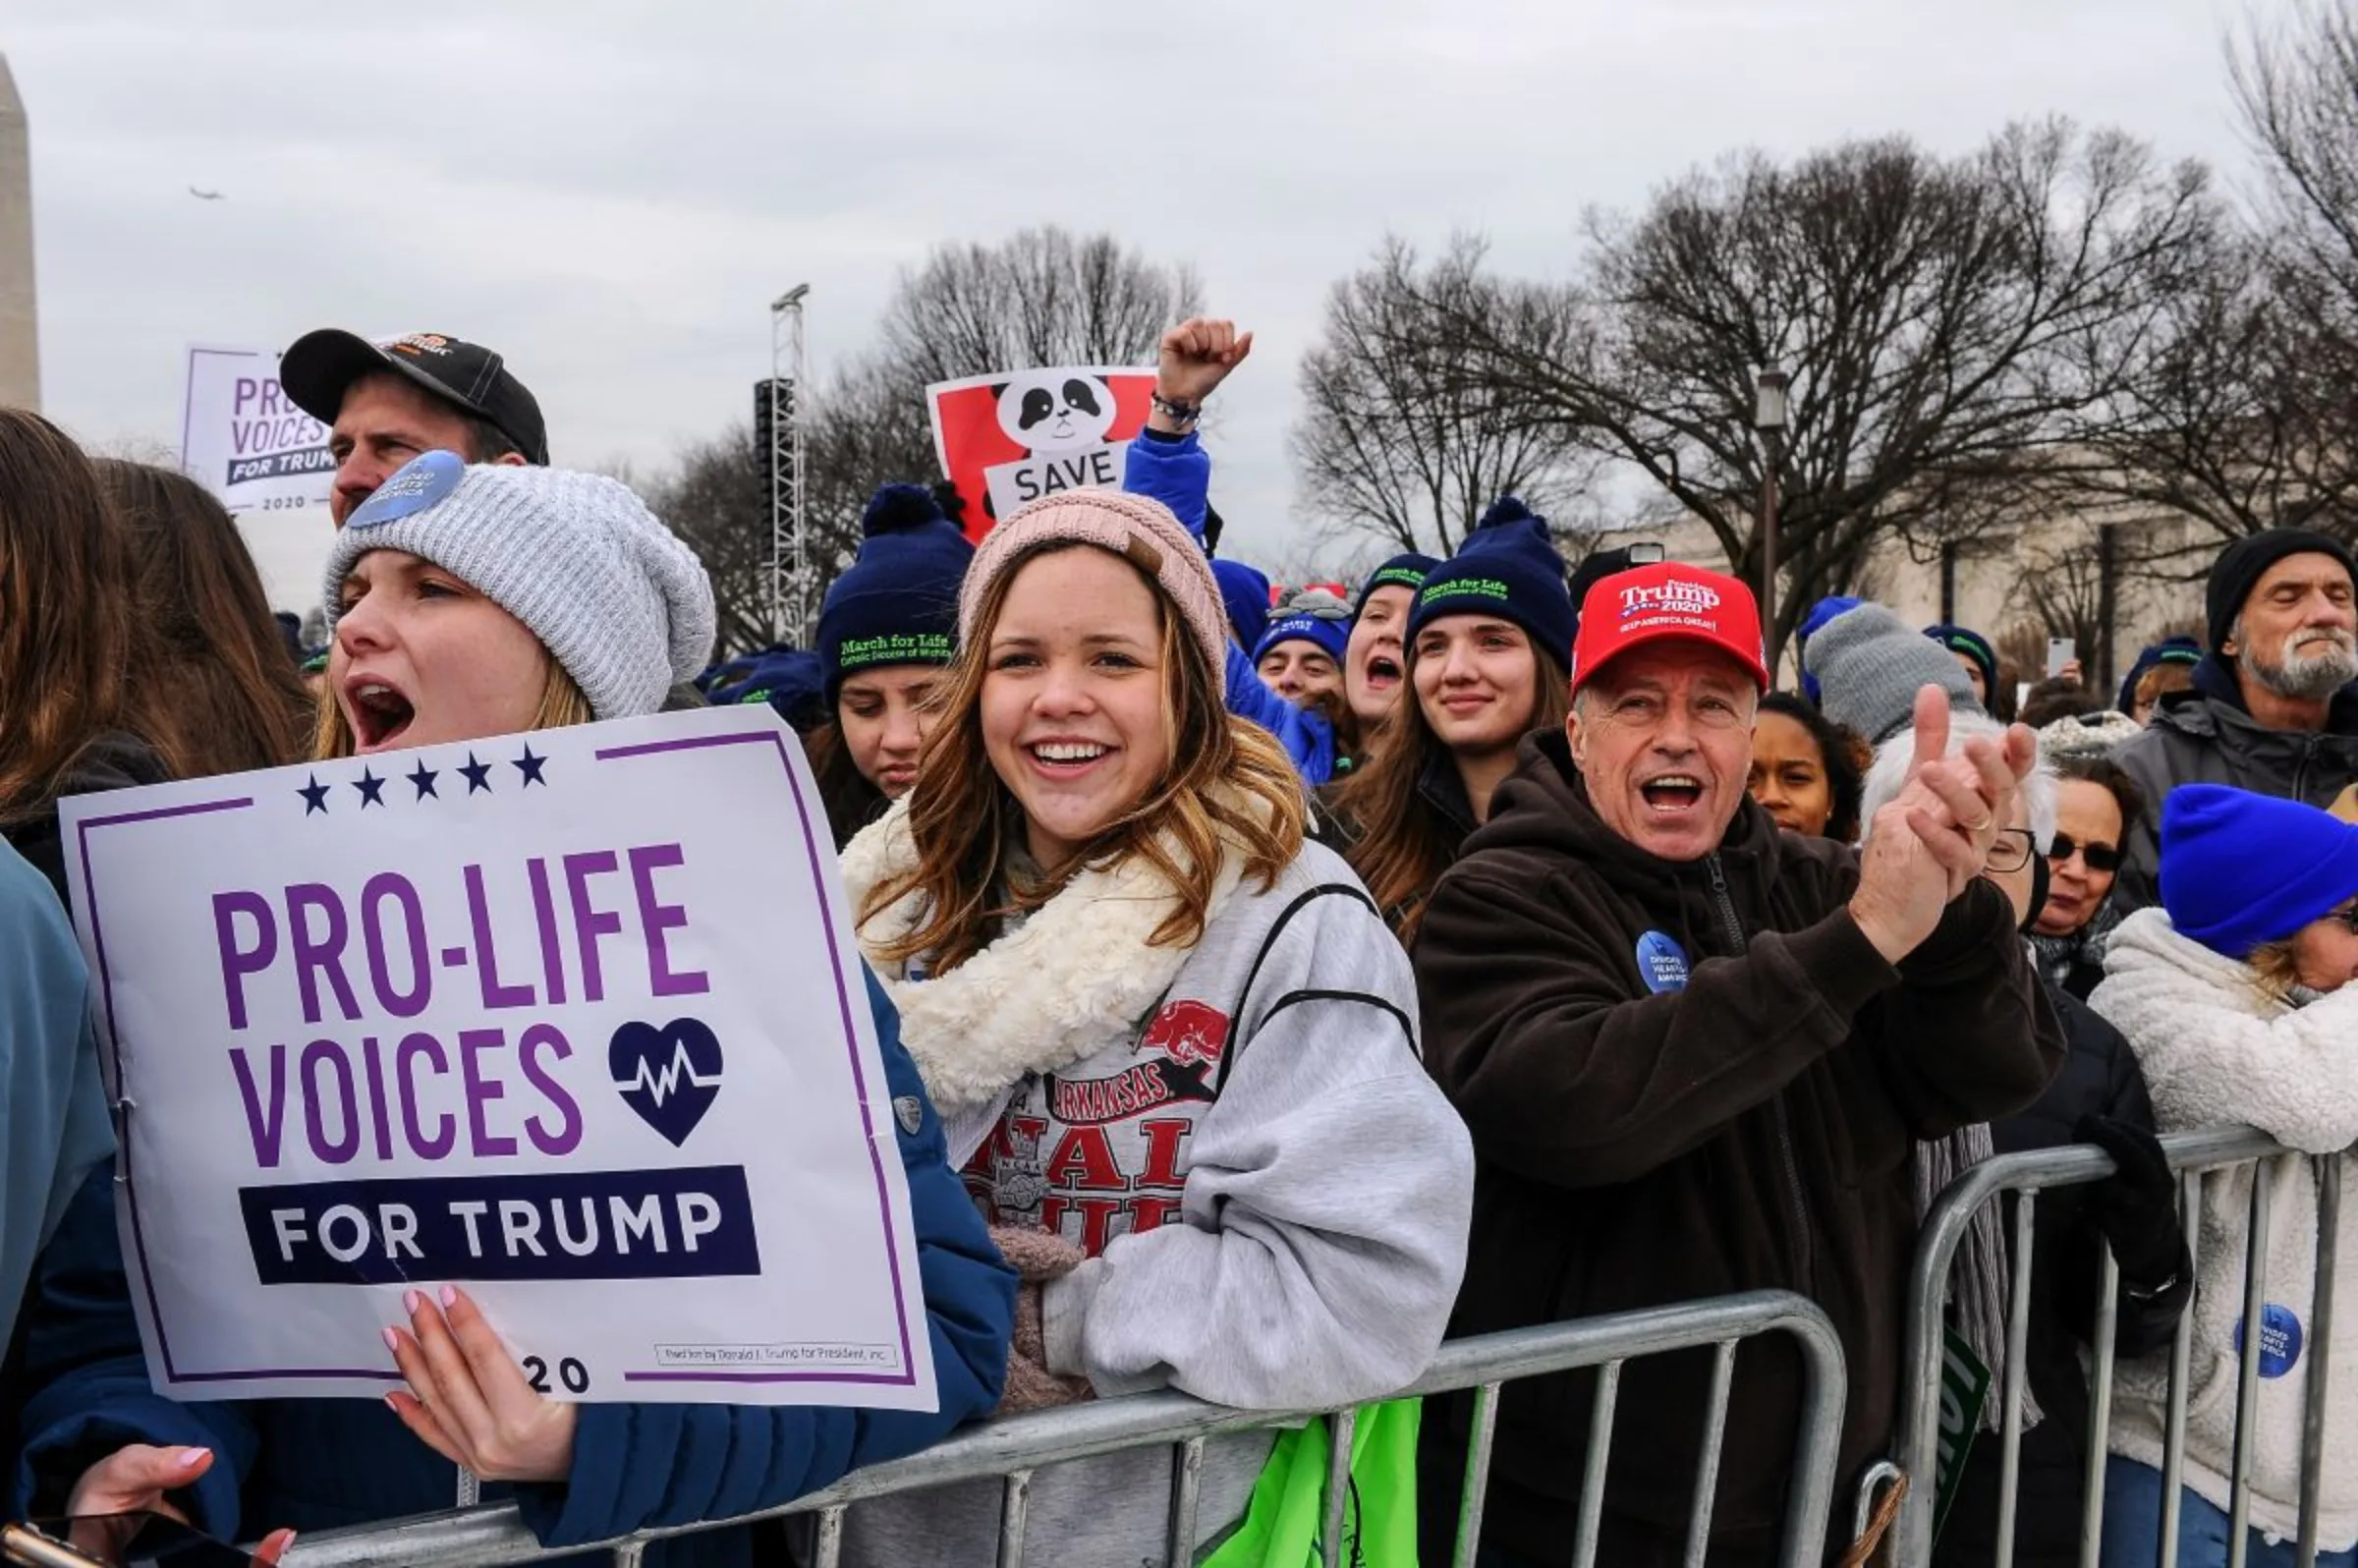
(573, 1019)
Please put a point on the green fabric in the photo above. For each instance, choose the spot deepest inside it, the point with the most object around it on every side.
(1281, 1529)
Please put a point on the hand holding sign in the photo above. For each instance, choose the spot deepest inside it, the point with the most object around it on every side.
(470, 1402)
(1195, 358)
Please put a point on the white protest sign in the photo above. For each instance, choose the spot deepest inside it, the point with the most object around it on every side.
(1014, 437)
(571, 1018)
(241, 439)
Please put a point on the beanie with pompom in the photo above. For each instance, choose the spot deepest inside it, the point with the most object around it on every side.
(898, 603)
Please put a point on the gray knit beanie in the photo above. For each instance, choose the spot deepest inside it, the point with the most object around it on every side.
(613, 594)
(1870, 665)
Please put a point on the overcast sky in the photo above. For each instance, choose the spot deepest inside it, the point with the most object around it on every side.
(610, 195)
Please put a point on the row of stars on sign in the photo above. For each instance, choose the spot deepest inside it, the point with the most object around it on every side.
(371, 788)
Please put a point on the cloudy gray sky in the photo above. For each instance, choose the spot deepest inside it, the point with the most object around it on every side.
(610, 194)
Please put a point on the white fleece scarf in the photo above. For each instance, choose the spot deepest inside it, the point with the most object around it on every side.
(1074, 978)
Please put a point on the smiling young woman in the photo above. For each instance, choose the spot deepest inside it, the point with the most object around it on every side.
(1122, 971)
(1485, 641)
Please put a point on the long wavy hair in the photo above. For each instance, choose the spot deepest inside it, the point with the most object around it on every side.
(216, 692)
(1228, 784)
(1400, 844)
(66, 629)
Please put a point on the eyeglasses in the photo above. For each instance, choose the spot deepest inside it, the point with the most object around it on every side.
(2010, 851)
(2101, 858)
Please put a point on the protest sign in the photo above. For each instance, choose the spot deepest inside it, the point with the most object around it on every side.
(241, 439)
(1010, 438)
(572, 1019)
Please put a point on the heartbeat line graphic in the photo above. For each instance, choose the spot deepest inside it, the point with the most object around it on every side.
(662, 1082)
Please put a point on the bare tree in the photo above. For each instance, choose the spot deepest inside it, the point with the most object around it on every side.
(1043, 297)
(1404, 440)
(1934, 316)
(710, 500)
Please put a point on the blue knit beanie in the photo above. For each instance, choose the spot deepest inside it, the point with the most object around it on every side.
(1506, 567)
(1246, 594)
(792, 680)
(2239, 869)
(2183, 651)
(898, 603)
(1975, 647)
(1407, 570)
(1825, 610)
(1327, 634)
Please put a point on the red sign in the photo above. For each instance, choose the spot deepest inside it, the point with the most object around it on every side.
(1010, 438)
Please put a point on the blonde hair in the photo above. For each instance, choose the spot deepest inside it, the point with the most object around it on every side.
(1228, 784)
(561, 704)
(2275, 970)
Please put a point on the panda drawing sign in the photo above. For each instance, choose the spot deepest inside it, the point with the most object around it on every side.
(1010, 438)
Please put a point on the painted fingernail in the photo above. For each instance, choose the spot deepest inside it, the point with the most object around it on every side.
(392, 1341)
(191, 1458)
(411, 1301)
(450, 1295)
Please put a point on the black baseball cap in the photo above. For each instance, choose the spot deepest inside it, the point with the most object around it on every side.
(322, 366)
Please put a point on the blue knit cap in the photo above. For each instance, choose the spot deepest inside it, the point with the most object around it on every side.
(898, 603)
(1825, 610)
(2239, 869)
(2183, 651)
(1407, 570)
(1975, 647)
(1326, 633)
(1246, 594)
(1506, 567)
(791, 680)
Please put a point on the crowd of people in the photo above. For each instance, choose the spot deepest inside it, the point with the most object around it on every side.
(1517, 951)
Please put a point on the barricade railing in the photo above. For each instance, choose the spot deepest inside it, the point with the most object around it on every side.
(1013, 1451)
(2197, 1156)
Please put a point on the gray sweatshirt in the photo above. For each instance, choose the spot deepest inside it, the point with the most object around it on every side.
(1274, 1196)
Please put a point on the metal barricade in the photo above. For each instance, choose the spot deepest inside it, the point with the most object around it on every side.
(2213, 1154)
(1013, 1451)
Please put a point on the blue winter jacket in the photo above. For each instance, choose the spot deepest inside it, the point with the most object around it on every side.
(1178, 473)
(317, 1464)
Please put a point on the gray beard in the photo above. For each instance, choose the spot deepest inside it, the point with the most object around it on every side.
(2309, 677)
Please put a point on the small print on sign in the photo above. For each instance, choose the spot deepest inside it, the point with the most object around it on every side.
(533, 1015)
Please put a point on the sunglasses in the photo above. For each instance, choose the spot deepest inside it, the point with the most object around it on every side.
(2101, 858)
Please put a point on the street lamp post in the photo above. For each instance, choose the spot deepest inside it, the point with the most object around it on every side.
(1769, 418)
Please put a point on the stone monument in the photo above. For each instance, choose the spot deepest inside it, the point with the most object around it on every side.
(19, 321)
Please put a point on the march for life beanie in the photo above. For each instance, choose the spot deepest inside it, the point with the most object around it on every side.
(619, 602)
(898, 603)
(2242, 564)
(1507, 567)
(1825, 610)
(2240, 870)
(1870, 665)
(1407, 570)
(1975, 647)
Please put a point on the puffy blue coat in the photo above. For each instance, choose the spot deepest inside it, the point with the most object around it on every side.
(317, 1464)
(1177, 471)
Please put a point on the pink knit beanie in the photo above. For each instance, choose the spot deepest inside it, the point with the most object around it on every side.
(1141, 532)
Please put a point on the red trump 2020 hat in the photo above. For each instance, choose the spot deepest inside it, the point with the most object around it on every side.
(1659, 602)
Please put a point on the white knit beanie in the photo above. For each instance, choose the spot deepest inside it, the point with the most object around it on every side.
(613, 594)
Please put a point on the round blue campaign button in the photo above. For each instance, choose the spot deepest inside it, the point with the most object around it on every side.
(2279, 1340)
(415, 486)
(1663, 962)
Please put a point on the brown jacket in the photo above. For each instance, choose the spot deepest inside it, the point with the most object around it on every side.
(1753, 1130)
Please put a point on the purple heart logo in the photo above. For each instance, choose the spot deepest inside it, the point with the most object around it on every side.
(670, 1076)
